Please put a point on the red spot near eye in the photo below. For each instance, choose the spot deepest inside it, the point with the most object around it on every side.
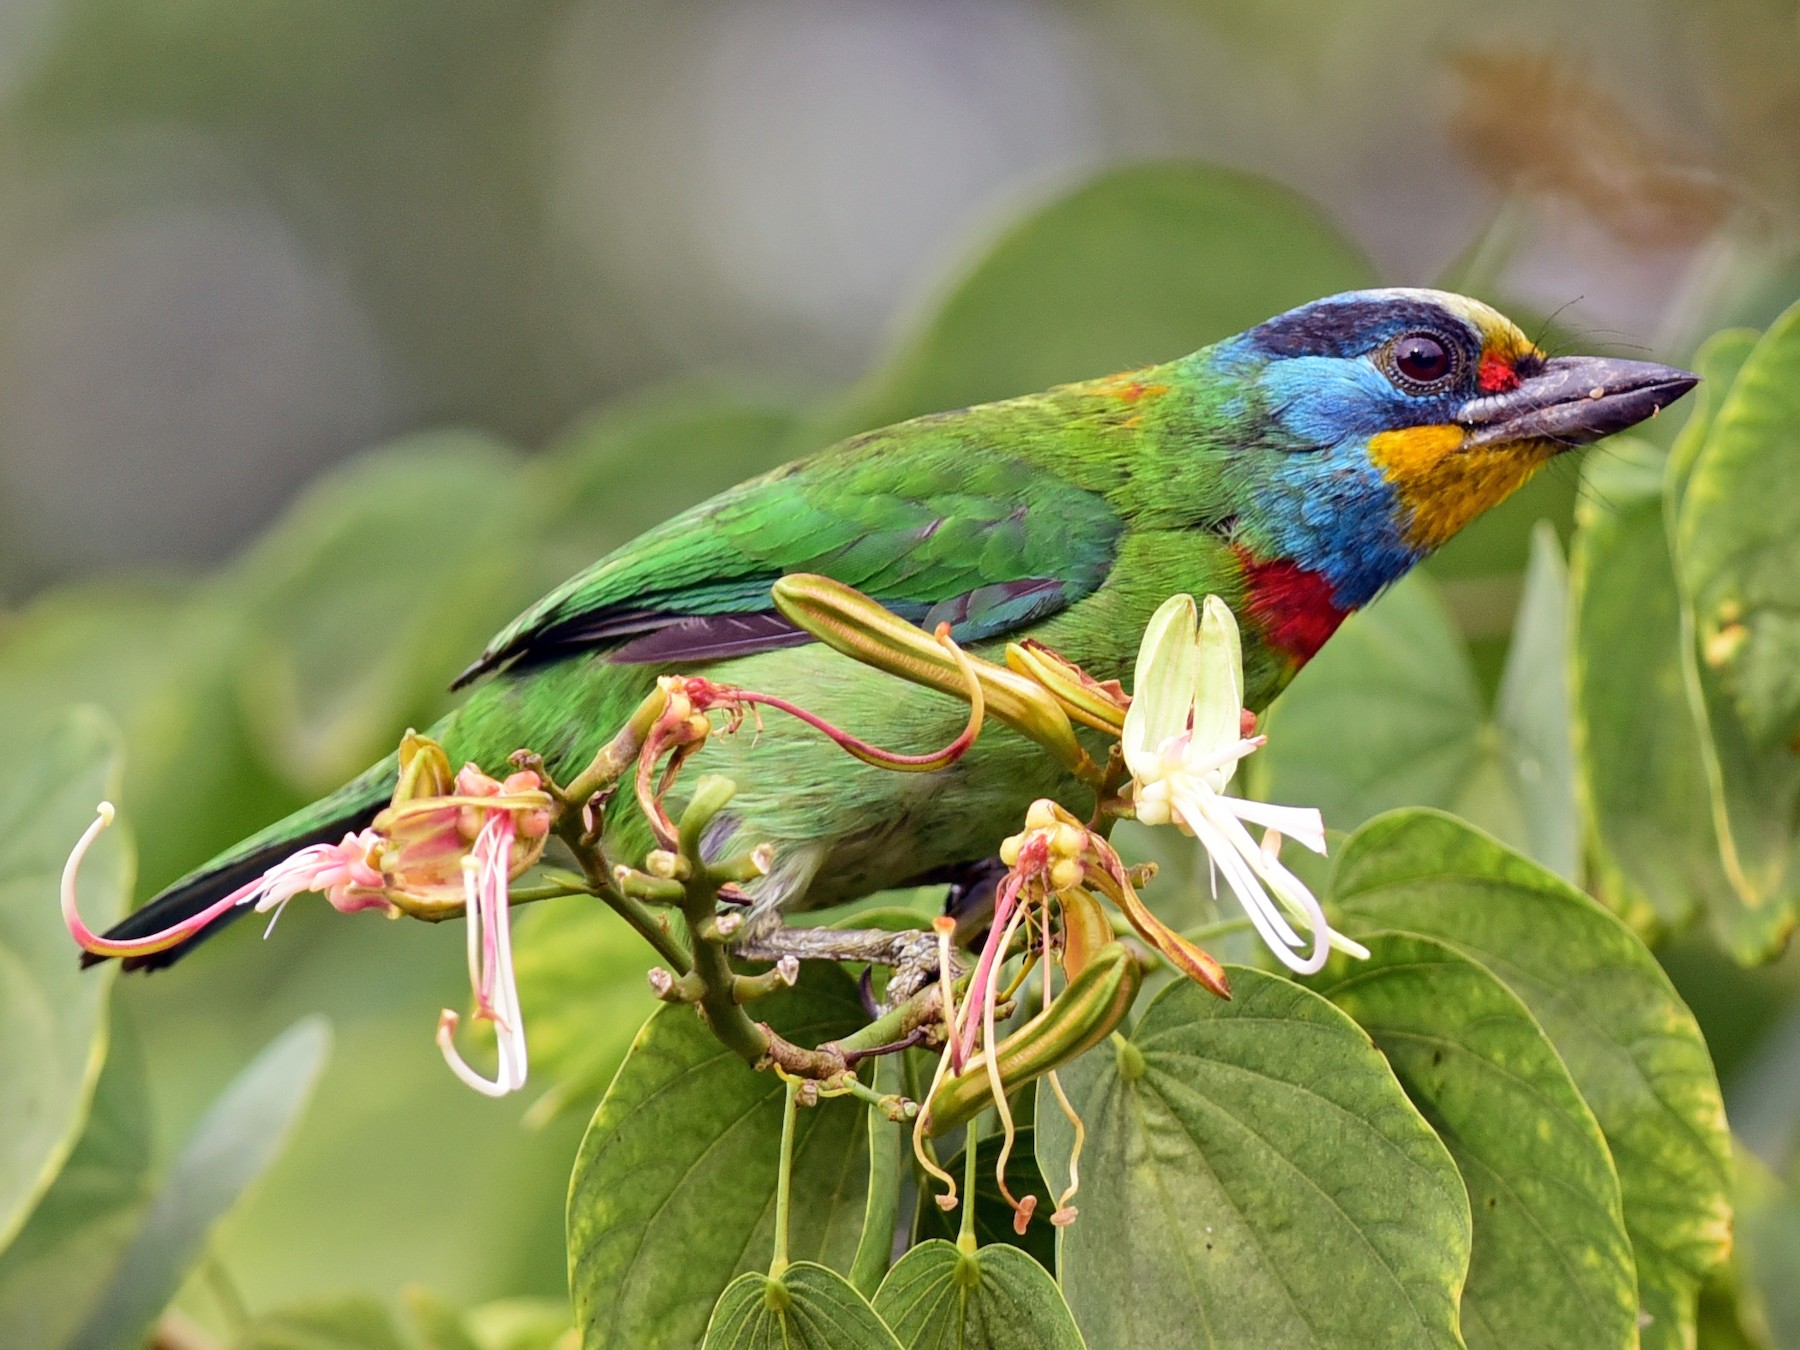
(1295, 608)
(1497, 375)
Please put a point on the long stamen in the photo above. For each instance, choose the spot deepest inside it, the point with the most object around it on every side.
(485, 873)
(1065, 1213)
(992, 1043)
(945, 926)
(986, 968)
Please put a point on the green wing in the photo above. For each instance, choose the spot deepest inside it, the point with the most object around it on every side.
(924, 518)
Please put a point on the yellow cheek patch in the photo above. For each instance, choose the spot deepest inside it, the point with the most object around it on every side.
(1445, 487)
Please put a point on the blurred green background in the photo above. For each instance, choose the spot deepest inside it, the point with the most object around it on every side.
(565, 267)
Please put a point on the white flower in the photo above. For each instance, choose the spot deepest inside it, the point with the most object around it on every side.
(1182, 741)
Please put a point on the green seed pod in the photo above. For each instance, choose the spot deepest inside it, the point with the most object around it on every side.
(1080, 1017)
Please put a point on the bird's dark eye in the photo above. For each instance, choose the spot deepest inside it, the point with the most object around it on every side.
(1421, 359)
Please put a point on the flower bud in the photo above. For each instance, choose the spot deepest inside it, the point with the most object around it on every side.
(1086, 931)
(850, 622)
(424, 769)
(1096, 703)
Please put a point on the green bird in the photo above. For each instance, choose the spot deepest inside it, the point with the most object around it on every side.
(1295, 470)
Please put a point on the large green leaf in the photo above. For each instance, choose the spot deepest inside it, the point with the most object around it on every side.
(1141, 265)
(1629, 1043)
(379, 585)
(234, 1143)
(1656, 858)
(1739, 539)
(1255, 1176)
(1551, 1264)
(938, 1297)
(66, 1252)
(810, 1307)
(52, 1013)
(674, 1187)
(1391, 714)
(1753, 791)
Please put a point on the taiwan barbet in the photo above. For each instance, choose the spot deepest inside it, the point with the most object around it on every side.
(1294, 471)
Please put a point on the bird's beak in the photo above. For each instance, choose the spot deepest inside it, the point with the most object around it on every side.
(1574, 400)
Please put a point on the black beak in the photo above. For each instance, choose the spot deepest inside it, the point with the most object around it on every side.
(1574, 400)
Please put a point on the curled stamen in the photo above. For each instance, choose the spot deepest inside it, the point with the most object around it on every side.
(1065, 1213)
(867, 752)
(947, 1200)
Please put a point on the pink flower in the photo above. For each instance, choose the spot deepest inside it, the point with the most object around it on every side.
(341, 872)
(442, 843)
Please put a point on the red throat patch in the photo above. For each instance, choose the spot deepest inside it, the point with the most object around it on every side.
(1295, 608)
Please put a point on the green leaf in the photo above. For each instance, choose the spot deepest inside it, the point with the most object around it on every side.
(1141, 265)
(1629, 1043)
(371, 594)
(1753, 792)
(581, 973)
(1532, 711)
(440, 1325)
(994, 1298)
(1720, 358)
(1387, 715)
(159, 660)
(809, 1307)
(234, 1143)
(353, 1323)
(63, 1257)
(1656, 858)
(674, 1187)
(1255, 1176)
(52, 1013)
(1739, 539)
(1551, 1263)
(1767, 1252)
(521, 1324)
(1390, 714)
(993, 1216)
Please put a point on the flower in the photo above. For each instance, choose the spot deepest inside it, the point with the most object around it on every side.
(1182, 741)
(442, 842)
(510, 824)
(340, 871)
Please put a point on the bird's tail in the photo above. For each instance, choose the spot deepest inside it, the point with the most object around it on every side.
(327, 820)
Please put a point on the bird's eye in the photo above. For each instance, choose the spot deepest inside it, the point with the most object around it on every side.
(1421, 360)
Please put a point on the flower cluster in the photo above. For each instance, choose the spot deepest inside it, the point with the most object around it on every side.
(446, 842)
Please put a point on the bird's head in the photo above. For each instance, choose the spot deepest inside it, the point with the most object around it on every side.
(1389, 419)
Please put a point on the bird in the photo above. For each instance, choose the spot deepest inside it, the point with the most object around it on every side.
(1295, 470)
